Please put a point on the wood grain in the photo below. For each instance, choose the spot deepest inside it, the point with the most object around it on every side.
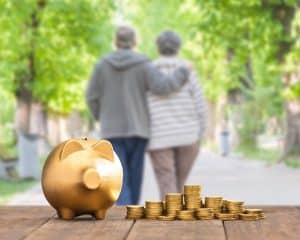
(202, 230)
(25, 212)
(16, 222)
(82, 229)
(281, 223)
(14, 229)
(42, 223)
(114, 227)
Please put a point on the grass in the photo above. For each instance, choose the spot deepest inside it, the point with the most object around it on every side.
(266, 155)
(8, 188)
(293, 162)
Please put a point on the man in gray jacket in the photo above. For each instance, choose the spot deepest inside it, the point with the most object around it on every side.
(117, 96)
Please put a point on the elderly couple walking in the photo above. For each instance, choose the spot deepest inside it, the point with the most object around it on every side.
(144, 106)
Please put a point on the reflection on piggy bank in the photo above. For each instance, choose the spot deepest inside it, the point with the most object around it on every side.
(82, 176)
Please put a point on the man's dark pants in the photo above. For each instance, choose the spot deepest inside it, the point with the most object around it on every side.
(131, 151)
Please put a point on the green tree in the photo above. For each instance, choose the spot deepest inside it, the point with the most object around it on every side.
(237, 46)
(47, 51)
(48, 48)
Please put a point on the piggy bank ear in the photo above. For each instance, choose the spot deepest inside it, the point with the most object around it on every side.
(70, 147)
(105, 149)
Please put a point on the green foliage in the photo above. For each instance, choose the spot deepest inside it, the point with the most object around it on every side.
(14, 39)
(254, 153)
(293, 162)
(270, 156)
(70, 36)
(65, 39)
(251, 124)
(292, 92)
(219, 37)
(234, 45)
(292, 65)
(7, 134)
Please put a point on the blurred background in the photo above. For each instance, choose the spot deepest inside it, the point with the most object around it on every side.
(246, 52)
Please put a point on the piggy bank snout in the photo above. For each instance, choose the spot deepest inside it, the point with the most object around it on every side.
(91, 179)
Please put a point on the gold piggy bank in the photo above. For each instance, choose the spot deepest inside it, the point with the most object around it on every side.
(82, 176)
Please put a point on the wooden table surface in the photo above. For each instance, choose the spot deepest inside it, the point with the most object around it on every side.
(23, 222)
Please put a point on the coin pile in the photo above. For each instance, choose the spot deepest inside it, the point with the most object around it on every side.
(204, 213)
(154, 209)
(185, 215)
(135, 212)
(234, 207)
(214, 202)
(188, 206)
(173, 203)
(259, 212)
(226, 216)
(192, 197)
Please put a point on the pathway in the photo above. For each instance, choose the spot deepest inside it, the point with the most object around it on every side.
(249, 180)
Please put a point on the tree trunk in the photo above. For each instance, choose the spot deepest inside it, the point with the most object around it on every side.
(285, 13)
(57, 129)
(292, 137)
(28, 118)
(211, 122)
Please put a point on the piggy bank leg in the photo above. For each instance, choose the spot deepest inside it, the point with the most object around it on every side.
(100, 214)
(66, 213)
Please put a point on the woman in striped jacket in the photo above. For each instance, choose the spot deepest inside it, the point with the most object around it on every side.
(177, 121)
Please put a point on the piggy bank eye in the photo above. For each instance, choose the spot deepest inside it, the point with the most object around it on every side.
(105, 149)
(70, 147)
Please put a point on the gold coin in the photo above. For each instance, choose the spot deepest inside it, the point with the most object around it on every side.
(205, 218)
(185, 215)
(261, 216)
(246, 216)
(166, 218)
(204, 210)
(226, 216)
(191, 186)
(131, 217)
(186, 219)
(175, 195)
(134, 206)
(253, 210)
(150, 203)
(134, 212)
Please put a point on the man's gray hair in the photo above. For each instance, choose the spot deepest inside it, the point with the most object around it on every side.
(168, 43)
(125, 37)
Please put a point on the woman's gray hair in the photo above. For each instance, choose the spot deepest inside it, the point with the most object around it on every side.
(125, 37)
(168, 43)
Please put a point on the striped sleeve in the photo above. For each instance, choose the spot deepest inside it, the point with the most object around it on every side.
(198, 97)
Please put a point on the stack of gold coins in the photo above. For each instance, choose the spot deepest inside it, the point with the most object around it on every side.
(226, 216)
(173, 203)
(214, 202)
(204, 213)
(249, 216)
(185, 215)
(135, 212)
(192, 197)
(259, 212)
(166, 218)
(153, 209)
(235, 207)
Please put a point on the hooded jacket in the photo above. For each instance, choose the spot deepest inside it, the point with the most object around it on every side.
(117, 92)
